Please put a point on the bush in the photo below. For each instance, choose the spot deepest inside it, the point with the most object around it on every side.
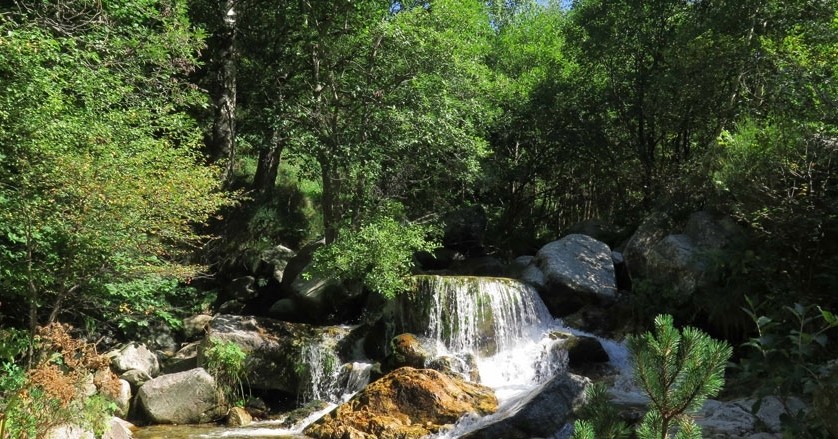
(678, 370)
(51, 393)
(379, 253)
(225, 361)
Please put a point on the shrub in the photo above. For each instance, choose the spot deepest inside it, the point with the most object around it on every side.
(52, 393)
(225, 361)
(679, 370)
(379, 253)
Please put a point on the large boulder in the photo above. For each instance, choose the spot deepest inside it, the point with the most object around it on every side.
(134, 356)
(276, 259)
(682, 256)
(273, 347)
(542, 413)
(405, 404)
(189, 397)
(195, 326)
(122, 400)
(572, 272)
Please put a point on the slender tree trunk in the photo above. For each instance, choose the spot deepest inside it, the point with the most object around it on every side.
(268, 165)
(331, 193)
(224, 127)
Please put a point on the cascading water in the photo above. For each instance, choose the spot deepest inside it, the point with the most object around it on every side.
(324, 378)
(502, 323)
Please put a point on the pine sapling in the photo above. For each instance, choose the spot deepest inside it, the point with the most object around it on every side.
(678, 370)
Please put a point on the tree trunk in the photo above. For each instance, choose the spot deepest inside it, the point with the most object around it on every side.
(268, 166)
(331, 194)
(224, 128)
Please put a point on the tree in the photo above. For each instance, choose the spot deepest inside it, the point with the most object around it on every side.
(679, 370)
(100, 179)
(387, 88)
(661, 102)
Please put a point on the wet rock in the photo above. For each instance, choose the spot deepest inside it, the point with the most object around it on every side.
(576, 270)
(409, 350)
(581, 349)
(273, 347)
(189, 397)
(405, 404)
(238, 417)
(464, 367)
(542, 413)
(134, 356)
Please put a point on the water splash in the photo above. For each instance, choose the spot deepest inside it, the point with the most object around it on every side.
(324, 377)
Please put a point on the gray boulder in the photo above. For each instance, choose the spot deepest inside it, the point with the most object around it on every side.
(136, 378)
(119, 429)
(575, 270)
(542, 413)
(134, 356)
(273, 347)
(184, 359)
(189, 397)
(654, 228)
(123, 398)
(680, 257)
(195, 326)
(276, 259)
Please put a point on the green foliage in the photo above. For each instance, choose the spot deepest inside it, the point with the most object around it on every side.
(135, 304)
(226, 361)
(789, 356)
(13, 344)
(679, 370)
(379, 254)
(599, 418)
(100, 180)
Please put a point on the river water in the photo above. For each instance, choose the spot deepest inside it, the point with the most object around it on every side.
(501, 324)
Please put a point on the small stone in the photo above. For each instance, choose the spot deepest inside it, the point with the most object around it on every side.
(238, 417)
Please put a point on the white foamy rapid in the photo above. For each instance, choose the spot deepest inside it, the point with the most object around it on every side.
(505, 326)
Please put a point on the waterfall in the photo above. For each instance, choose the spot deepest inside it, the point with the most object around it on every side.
(502, 323)
(322, 375)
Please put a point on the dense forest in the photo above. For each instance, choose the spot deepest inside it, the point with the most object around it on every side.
(151, 149)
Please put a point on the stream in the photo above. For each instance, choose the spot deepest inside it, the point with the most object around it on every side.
(500, 324)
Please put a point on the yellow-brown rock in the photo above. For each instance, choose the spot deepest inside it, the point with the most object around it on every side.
(405, 404)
